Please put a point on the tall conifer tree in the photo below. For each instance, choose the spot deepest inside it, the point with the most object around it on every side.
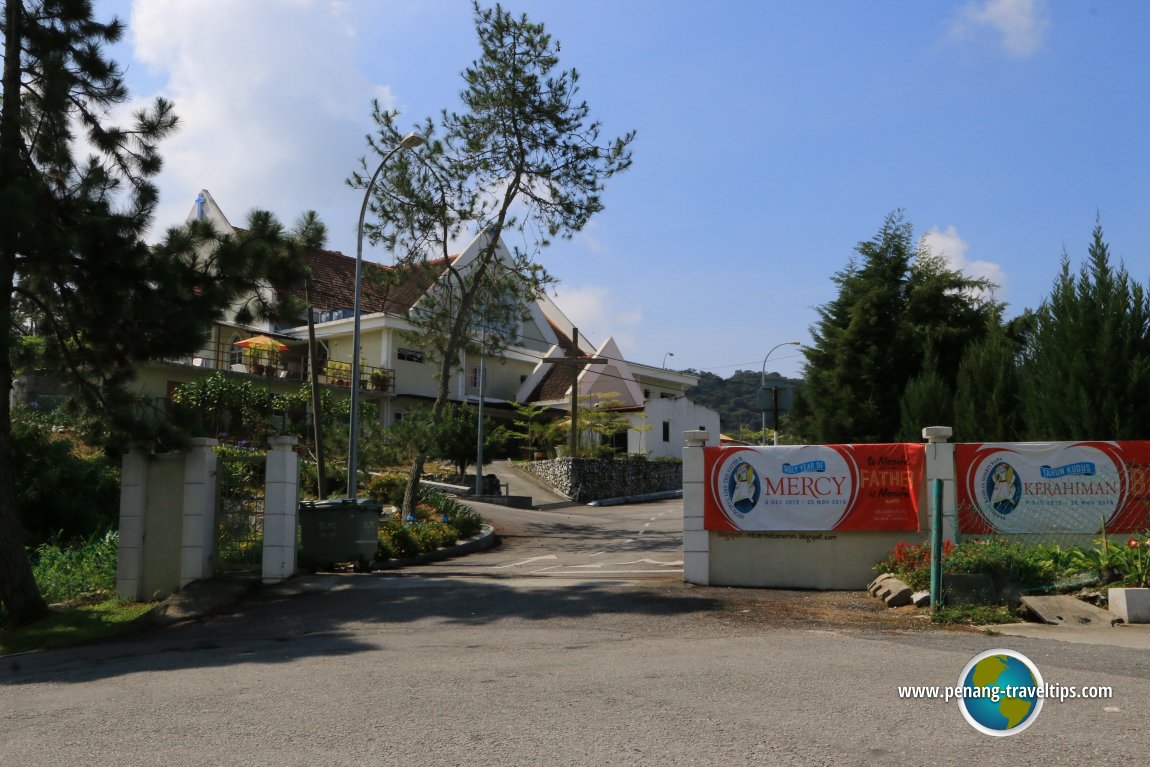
(77, 194)
(1087, 369)
(898, 305)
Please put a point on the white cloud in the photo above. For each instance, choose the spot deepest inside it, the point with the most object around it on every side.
(265, 101)
(599, 314)
(953, 248)
(1020, 24)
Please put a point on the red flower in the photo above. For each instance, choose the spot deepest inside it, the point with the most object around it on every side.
(1132, 543)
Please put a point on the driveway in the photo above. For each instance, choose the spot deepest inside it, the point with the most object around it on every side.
(642, 541)
(498, 660)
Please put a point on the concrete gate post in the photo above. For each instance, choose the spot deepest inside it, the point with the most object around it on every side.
(940, 465)
(281, 504)
(133, 500)
(696, 540)
(198, 536)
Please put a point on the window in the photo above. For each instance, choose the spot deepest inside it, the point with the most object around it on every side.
(473, 378)
(523, 379)
(396, 417)
(410, 355)
(666, 431)
(235, 353)
(665, 395)
(646, 394)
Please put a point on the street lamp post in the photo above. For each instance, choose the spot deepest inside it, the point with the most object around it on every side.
(762, 393)
(665, 356)
(410, 141)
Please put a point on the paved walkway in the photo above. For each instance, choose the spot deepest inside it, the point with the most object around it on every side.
(522, 483)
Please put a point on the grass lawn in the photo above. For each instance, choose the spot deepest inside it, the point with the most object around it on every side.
(75, 625)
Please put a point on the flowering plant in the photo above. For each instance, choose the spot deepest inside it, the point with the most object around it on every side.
(1135, 561)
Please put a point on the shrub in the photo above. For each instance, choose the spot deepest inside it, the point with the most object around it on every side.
(434, 535)
(1003, 560)
(64, 574)
(388, 486)
(61, 494)
(396, 540)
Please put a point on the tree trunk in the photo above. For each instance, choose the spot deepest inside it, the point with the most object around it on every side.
(18, 590)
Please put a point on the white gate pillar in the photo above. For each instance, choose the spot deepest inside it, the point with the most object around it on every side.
(198, 537)
(281, 504)
(940, 465)
(696, 540)
(133, 500)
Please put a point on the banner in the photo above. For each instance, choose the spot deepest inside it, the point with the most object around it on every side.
(813, 487)
(1053, 487)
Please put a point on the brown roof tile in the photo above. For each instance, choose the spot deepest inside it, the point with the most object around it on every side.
(557, 381)
(385, 288)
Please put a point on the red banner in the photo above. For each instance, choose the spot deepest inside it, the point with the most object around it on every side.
(1053, 487)
(813, 487)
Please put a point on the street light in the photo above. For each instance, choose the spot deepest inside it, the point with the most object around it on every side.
(665, 356)
(410, 141)
(763, 389)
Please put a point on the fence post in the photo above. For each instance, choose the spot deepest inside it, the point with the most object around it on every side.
(939, 467)
(696, 540)
(133, 500)
(281, 505)
(197, 552)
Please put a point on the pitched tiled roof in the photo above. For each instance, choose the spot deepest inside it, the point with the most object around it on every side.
(385, 288)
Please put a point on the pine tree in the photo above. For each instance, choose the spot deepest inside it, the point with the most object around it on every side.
(522, 156)
(1087, 367)
(75, 269)
(987, 404)
(897, 306)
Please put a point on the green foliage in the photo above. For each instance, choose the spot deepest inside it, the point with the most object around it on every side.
(973, 615)
(1005, 561)
(927, 401)
(428, 532)
(987, 404)
(460, 516)
(1133, 561)
(454, 437)
(522, 155)
(67, 573)
(1092, 325)
(433, 535)
(396, 540)
(897, 306)
(388, 487)
(534, 427)
(736, 399)
(61, 494)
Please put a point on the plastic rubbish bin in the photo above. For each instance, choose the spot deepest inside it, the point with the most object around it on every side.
(339, 530)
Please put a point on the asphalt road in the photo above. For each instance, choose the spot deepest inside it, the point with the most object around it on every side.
(497, 660)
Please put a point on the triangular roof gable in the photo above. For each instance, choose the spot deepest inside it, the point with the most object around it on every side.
(613, 376)
(211, 212)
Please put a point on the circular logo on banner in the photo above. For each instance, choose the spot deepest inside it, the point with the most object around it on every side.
(743, 487)
(1000, 692)
(1003, 487)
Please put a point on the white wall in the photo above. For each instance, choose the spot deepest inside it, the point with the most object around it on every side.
(682, 414)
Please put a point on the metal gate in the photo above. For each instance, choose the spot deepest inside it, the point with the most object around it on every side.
(240, 512)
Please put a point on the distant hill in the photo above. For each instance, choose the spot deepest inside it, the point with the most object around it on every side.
(735, 398)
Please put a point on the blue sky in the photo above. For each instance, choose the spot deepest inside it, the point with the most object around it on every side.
(772, 137)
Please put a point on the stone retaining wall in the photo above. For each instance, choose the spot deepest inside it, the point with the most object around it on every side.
(588, 479)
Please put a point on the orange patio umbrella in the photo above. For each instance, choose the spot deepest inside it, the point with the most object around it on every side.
(261, 342)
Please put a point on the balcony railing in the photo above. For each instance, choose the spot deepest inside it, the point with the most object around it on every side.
(291, 364)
